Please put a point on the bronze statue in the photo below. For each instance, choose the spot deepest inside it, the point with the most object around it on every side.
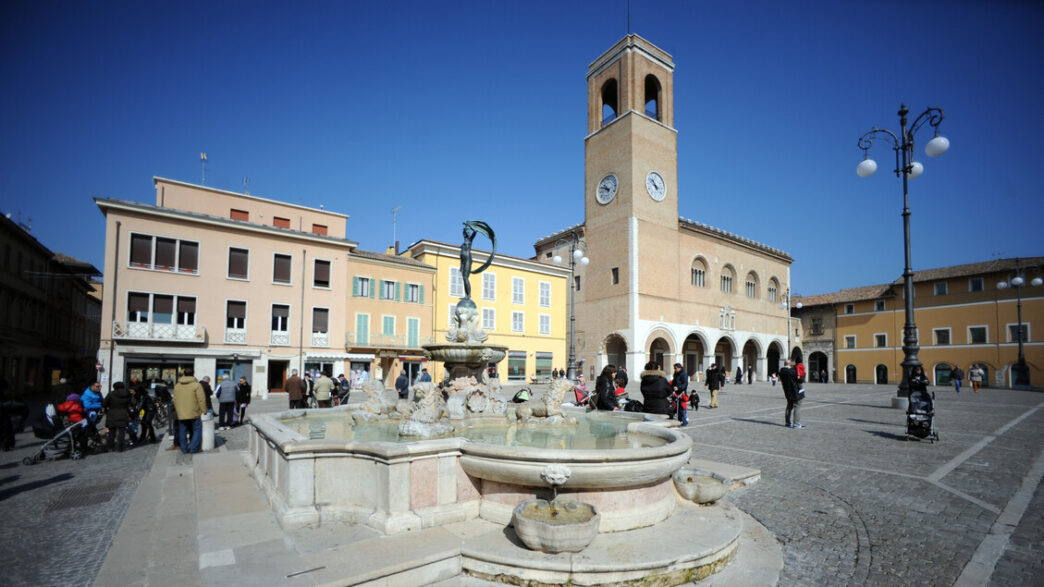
(471, 228)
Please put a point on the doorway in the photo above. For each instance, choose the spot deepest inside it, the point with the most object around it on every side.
(277, 375)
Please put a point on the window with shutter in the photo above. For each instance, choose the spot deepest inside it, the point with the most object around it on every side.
(280, 318)
(281, 269)
(186, 311)
(188, 257)
(239, 215)
(322, 273)
(281, 222)
(320, 320)
(237, 263)
(319, 228)
(141, 250)
(162, 309)
(165, 248)
(137, 307)
(236, 315)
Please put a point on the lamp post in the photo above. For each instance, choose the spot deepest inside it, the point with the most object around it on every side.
(576, 255)
(905, 168)
(785, 305)
(1020, 370)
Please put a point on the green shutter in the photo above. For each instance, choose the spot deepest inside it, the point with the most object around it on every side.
(398, 291)
(373, 287)
(355, 286)
(421, 298)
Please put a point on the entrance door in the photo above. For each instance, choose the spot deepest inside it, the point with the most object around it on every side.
(850, 374)
(881, 374)
(277, 375)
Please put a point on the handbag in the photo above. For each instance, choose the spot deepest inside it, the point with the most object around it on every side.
(800, 394)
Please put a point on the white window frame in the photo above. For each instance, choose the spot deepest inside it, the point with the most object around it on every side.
(456, 281)
(545, 324)
(489, 286)
(945, 288)
(328, 318)
(935, 336)
(364, 285)
(518, 290)
(520, 318)
(849, 309)
(384, 320)
(384, 284)
(1008, 327)
(851, 337)
(885, 345)
(968, 330)
(545, 294)
(698, 276)
(246, 313)
(323, 287)
(489, 321)
(772, 293)
(271, 314)
(980, 280)
(879, 306)
(726, 283)
(289, 283)
(228, 259)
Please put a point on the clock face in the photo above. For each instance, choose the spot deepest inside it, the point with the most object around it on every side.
(655, 185)
(606, 189)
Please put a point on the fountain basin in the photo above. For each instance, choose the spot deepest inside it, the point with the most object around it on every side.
(310, 475)
(567, 527)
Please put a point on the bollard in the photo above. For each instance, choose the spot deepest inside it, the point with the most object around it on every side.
(208, 433)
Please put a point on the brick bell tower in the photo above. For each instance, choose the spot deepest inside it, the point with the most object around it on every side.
(630, 192)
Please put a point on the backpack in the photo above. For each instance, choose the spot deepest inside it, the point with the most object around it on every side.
(521, 396)
(694, 401)
(634, 406)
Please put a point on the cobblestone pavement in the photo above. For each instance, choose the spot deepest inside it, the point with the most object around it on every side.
(850, 500)
(854, 503)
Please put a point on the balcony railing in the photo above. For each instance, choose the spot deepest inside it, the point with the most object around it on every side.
(388, 341)
(280, 338)
(164, 332)
(235, 335)
(320, 339)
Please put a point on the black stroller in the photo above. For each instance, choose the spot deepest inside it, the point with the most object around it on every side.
(920, 417)
(61, 439)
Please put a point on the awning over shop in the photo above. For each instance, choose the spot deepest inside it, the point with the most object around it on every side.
(337, 356)
(418, 358)
(360, 357)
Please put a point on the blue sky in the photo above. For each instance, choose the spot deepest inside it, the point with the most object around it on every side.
(460, 110)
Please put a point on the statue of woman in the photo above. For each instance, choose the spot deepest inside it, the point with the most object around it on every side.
(471, 228)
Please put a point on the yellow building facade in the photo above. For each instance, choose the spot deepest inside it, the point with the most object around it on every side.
(961, 314)
(523, 305)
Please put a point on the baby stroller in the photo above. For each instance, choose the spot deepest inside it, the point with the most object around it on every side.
(61, 440)
(920, 417)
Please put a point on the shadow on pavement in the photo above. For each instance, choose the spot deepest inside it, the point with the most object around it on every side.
(862, 421)
(887, 435)
(6, 493)
(765, 422)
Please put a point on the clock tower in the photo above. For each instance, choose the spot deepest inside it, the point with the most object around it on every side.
(630, 195)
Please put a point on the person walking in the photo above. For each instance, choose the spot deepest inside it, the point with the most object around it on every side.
(402, 385)
(656, 390)
(958, 377)
(146, 432)
(243, 394)
(295, 390)
(190, 405)
(680, 385)
(750, 374)
(226, 396)
(713, 384)
(323, 389)
(976, 375)
(117, 415)
(739, 375)
(788, 379)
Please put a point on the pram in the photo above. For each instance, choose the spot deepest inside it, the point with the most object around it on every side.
(920, 417)
(61, 441)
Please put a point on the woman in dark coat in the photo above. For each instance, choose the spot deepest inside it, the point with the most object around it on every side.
(243, 398)
(656, 390)
(117, 414)
(605, 389)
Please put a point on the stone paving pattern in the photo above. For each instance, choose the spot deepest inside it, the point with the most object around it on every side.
(850, 500)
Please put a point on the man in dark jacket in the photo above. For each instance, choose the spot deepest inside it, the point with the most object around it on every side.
(788, 378)
(713, 383)
(402, 385)
(656, 390)
(295, 390)
(117, 415)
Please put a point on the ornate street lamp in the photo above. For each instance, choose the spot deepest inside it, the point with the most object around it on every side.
(785, 305)
(1020, 370)
(576, 255)
(905, 168)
